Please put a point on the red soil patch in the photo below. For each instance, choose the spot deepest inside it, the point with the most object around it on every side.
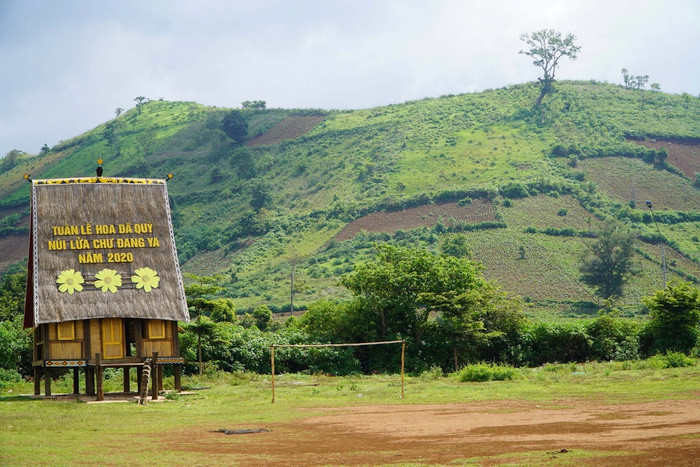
(683, 156)
(652, 433)
(13, 248)
(478, 211)
(289, 128)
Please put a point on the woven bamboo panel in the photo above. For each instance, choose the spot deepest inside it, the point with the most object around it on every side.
(103, 248)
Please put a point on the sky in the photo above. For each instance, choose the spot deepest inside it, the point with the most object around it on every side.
(67, 65)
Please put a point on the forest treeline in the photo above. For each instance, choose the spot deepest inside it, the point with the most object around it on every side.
(440, 304)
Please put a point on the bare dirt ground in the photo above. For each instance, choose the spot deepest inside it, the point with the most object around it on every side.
(684, 156)
(13, 248)
(491, 433)
(289, 128)
(477, 211)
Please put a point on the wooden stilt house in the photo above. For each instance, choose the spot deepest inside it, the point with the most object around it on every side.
(104, 287)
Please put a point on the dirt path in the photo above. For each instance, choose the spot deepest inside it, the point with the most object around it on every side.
(492, 433)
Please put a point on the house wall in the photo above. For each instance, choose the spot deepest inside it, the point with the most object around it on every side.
(69, 349)
(87, 341)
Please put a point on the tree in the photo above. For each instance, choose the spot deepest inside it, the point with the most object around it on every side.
(262, 316)
(607, 264)
(10, 160)
(224, 311)
(390, 287)
(196, 292)
(145, 139)
(674, 318)
(294, 257)
(456, 245)
(260, 196)
(235, 126)
(117, 112)
(634, 82)
(547, 47)
(254, 105)
(139, 102)
(12, 291)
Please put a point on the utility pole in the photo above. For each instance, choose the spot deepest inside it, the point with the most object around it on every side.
(663, 252)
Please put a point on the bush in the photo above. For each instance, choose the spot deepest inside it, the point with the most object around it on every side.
(613, 339)
(675, 316)
(677, 360)
(514, 190)
(8, 378)
(484, 372)
(547, 342)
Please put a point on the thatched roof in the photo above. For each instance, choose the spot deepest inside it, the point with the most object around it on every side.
(88, 235)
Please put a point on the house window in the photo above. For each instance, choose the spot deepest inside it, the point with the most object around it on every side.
(66, 331)
(156, 329)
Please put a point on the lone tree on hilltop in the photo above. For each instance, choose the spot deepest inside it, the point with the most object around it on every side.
(634, 82)
(546, 47)
(608, 264)
(254, 105)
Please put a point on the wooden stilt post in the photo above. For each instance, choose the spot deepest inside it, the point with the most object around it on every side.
(139, 373)
(37, 380)
(154, 377)
(99, 377)
(127, 382)
(76, 380)
(90, 381)
(177, 374)
(403, 354)
(272, 367)
(47, 382)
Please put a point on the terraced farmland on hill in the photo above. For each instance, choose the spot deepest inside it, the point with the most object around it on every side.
(626, 180)
(323, 187)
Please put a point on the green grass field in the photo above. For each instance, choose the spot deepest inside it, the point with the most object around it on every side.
(67, 432)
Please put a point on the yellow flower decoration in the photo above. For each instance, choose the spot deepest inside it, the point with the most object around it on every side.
(70, 281)
(146, 279)
(108, 279)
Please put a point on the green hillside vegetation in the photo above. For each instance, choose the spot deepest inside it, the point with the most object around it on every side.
(248, 212)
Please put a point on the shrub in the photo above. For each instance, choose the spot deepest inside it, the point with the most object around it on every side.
(677, 360)
(485, 372)
(675, 316)
(8, 378)
(514, 190)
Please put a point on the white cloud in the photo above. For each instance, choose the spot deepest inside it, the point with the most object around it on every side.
(67, 65)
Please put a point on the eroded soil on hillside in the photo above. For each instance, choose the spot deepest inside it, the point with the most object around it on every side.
(13, 248)
(289, 128)
(477, 211)
(684, 156)
(489, 433)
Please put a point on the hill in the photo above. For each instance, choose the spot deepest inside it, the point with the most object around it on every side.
(315, 189)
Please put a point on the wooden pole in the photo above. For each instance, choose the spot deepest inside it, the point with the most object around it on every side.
(37, 380)
(76, 380)
(403, 353)
(98, 376)
(127, 382)
(154, 377)
(272, 366)
(139, 373)
(177, 372)
(47, 382)
(89, 381)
